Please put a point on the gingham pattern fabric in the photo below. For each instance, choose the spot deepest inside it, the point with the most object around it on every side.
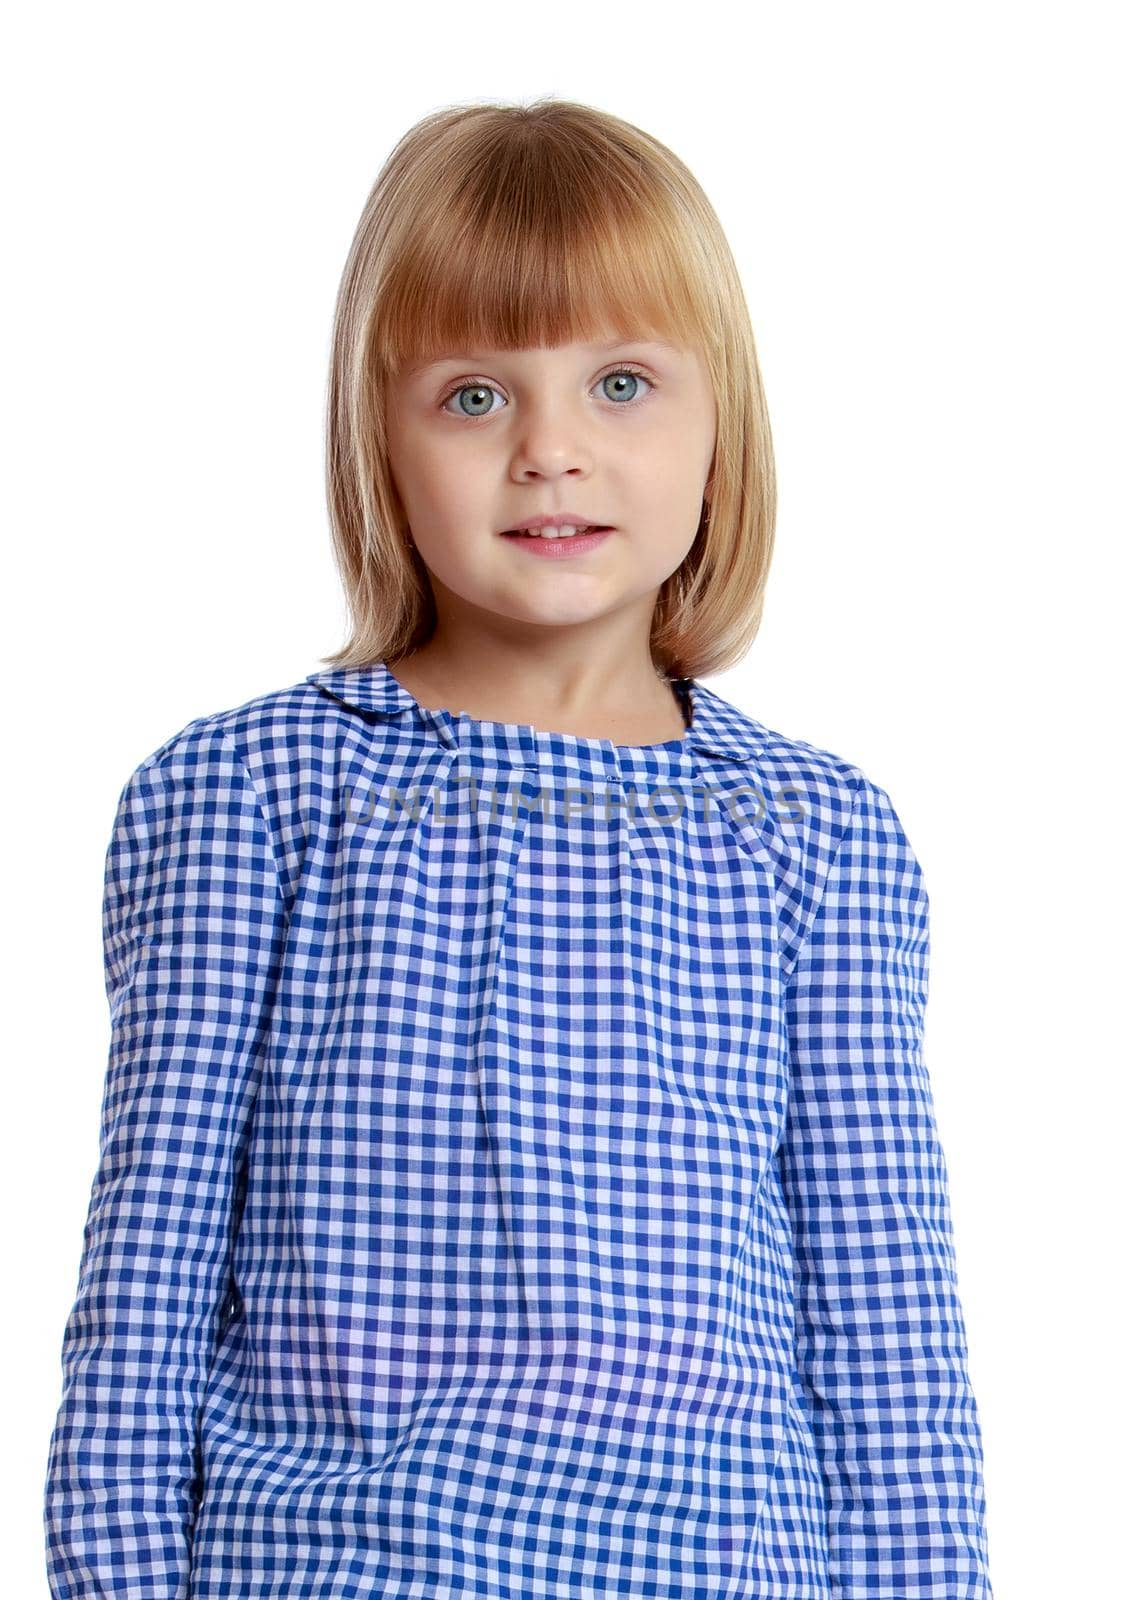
(518, 1175)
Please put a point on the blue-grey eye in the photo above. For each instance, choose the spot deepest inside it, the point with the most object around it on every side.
(628, 384)
(622, 379)
(484, 398)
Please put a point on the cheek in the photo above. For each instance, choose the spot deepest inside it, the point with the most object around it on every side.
(457, 487)
(658, 551)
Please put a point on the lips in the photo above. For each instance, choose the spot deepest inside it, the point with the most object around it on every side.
(538, 533)
(550, 546)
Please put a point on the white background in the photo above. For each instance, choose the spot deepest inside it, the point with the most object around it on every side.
(934, 210)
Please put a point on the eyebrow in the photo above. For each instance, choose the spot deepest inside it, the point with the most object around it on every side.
(466, 355)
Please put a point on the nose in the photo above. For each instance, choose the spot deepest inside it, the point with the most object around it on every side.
(551, 440)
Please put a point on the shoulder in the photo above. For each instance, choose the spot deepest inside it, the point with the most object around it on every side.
(281, 720)
(794, 776)
(820, 819)
(275, 759)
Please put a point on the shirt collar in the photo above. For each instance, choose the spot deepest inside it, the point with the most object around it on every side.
(716, 728)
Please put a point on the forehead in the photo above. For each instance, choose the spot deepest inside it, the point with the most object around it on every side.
(598, 349)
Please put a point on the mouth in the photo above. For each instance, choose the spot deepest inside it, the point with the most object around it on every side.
(555, 533)
(556, 544)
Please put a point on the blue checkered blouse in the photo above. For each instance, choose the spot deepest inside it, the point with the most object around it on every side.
(517, 1175)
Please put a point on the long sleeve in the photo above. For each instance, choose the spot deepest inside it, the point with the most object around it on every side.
(193, 923)
(881, 1345)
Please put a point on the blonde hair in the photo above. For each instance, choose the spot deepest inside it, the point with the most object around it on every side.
(519, 226)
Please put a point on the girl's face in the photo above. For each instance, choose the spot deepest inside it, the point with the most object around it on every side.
(621, 434)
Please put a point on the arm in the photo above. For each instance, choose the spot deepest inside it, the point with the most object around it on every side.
(193, 924)
(881, 1346)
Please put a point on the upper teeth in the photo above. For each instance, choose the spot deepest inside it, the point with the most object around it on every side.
(553, 533)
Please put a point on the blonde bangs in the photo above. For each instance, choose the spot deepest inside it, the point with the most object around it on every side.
(497, 227)
(534, 254)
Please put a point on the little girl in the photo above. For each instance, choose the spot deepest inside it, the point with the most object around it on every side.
(518, 1173)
